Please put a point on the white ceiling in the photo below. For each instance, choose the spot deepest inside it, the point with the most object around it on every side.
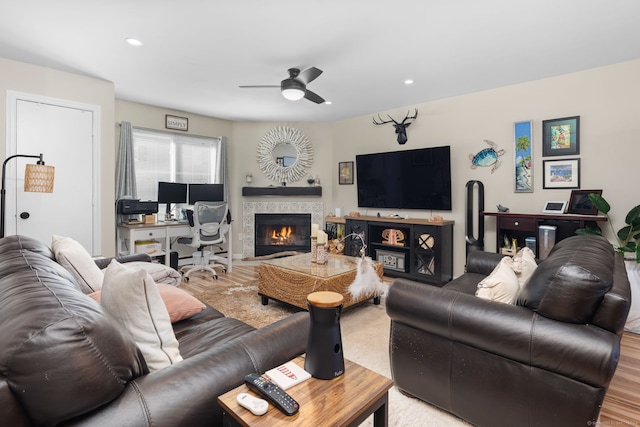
(197, 52)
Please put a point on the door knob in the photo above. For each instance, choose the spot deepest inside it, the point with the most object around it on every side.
(24, 215)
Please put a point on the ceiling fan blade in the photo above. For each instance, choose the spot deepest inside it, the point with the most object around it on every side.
(309, 75)
(313, 97)
(258, 86)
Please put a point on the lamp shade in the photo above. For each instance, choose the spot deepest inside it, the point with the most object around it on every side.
(39, 178)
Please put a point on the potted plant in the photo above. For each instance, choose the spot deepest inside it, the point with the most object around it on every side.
(628, 237)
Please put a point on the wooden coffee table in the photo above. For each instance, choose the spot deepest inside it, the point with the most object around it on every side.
(347, 400)
(291, 279)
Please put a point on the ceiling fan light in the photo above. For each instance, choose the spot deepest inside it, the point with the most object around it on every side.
(292, 90)
(293, 94)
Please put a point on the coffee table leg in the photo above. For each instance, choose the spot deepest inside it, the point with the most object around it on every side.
(265, 300)
(376, 300)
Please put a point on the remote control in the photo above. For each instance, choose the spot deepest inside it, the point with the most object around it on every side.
(273, 393)
(255, 405)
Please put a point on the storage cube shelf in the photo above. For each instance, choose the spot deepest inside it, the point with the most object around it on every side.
(412, 248)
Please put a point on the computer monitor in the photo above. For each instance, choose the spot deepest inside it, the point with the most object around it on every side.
(206, 193)
(171, 192)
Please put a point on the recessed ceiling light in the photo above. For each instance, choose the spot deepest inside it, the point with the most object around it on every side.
(408, 82)
(134, 42)
(328, 102)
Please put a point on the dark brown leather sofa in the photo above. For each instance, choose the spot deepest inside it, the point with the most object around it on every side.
(545, 361)
(63, 362)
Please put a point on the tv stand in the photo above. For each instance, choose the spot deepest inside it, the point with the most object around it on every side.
(416, 249)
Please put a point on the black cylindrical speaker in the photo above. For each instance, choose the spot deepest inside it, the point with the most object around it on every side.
(324, 359)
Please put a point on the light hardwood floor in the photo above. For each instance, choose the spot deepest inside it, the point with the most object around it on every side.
(621, 406)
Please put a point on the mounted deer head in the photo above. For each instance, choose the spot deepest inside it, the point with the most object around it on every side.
(401, 128)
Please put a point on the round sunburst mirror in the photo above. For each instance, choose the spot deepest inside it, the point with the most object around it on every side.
(284, 154)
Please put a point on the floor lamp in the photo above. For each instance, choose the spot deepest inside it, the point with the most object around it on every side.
(38, 178)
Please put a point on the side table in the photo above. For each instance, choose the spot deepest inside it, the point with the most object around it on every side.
(347, 400)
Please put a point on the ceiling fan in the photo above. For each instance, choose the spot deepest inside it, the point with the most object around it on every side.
(295, 87)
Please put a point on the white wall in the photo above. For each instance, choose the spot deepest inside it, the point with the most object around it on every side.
(607, 100)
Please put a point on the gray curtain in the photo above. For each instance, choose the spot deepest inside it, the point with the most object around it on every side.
(222, 174)
(125, 168)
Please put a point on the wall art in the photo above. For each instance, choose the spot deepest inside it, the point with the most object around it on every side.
(523, 155)
(176, 122)
(561, 137)
(345, 173)
(563, 173)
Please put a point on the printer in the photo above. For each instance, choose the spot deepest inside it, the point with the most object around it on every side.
(131, 210)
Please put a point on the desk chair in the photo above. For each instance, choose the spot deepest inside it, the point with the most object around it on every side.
(210, 225)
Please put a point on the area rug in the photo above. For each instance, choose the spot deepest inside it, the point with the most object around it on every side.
(243, 302)
(365, 340)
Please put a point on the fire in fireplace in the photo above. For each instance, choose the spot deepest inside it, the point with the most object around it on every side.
(282, 232)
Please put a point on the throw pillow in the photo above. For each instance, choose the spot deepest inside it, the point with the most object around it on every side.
(132, 298)
(501, 285)
(180, 304)
(523, 264)
(74, 258)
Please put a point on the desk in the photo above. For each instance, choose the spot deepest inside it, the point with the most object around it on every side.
(127, 234)
(519, 226)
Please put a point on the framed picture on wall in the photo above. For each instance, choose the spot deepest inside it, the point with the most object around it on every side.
(345, 173)
(563, 173)
(523, 152)
(561, 137)
(580, 203)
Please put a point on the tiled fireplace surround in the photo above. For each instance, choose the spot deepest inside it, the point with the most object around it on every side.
(249, 209)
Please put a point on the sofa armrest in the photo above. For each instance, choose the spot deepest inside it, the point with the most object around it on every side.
(186, 393)
(104, 262)
(586, 353)
(482, 262)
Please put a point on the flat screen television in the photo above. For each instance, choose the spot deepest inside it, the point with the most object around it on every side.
(206, 193)
(408, 179)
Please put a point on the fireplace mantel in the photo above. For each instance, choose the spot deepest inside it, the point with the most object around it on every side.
(282, 191)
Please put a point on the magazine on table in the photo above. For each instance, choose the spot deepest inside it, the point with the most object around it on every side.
(288, 375)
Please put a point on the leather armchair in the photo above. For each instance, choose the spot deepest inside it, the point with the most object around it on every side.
(546, 360)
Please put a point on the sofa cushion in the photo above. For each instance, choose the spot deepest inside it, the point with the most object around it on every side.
(180, 304)
(571, 283)
(132, 298)
(75, 258)
(501, 285)
(60, 354)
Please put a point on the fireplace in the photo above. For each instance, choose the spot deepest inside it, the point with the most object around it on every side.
(282, 232)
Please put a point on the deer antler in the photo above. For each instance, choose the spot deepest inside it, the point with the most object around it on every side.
(382, 122)
(408, 118)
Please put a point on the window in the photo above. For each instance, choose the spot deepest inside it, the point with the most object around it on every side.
(166, 156)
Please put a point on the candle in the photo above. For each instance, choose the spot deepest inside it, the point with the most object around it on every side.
(314, 230)
(322, 237)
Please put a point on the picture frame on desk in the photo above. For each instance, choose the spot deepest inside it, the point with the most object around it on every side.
(581, 204)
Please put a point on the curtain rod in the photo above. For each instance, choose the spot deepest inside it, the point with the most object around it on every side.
(171, 132)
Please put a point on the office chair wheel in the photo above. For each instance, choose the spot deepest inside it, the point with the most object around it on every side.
(185, 278)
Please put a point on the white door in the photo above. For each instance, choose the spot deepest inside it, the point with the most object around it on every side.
(64, 134)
